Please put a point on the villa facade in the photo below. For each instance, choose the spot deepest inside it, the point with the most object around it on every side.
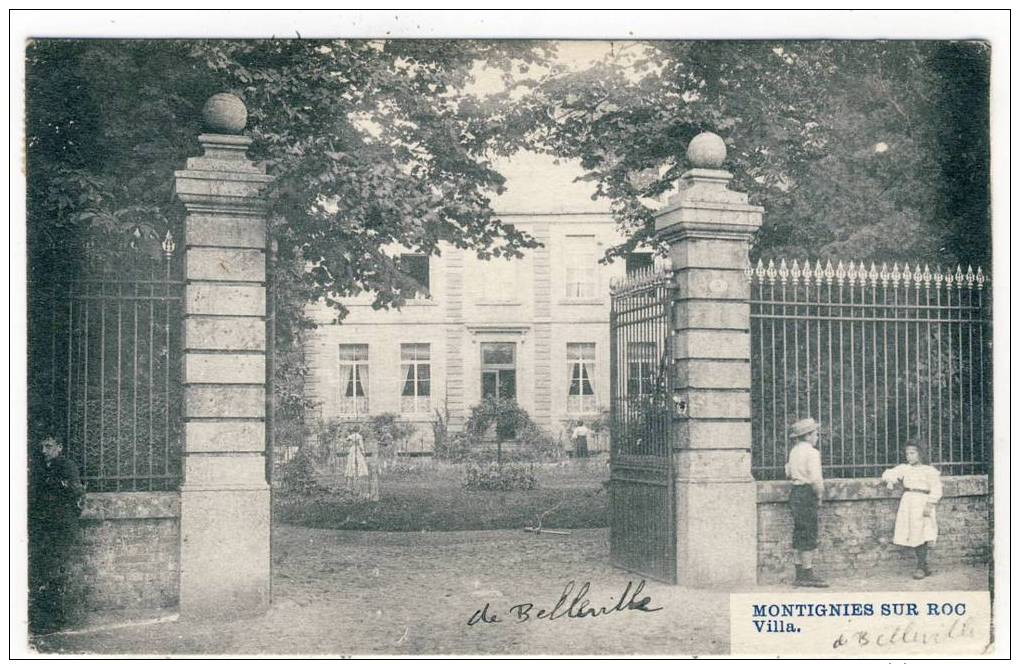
(535, 328)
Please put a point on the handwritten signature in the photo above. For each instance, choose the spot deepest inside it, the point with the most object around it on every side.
(908, 634)
(571, 604)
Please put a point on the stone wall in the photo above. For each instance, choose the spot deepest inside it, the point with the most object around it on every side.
(130, 544)
(856, 528)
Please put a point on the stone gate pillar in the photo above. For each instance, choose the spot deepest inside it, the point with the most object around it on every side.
(225, 498)
(708, 228)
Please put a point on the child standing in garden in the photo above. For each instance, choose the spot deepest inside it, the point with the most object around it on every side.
(915, 520)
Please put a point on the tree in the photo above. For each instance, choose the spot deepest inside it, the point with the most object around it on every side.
(371, 142)
(856, 149)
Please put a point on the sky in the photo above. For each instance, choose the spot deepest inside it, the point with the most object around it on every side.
(572, 54)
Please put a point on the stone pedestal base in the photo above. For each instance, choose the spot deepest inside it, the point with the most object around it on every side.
(225, 563)
(717, 533)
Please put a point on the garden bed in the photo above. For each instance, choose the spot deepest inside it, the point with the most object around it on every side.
(420, 495)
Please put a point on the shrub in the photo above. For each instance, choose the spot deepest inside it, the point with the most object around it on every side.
(537, 444)
(299, 474)
(500, 477)
(331, 438)
(506, 414)
(445, 445)
(389, 432)
(532, 442)
(384, 432)
(452, 447)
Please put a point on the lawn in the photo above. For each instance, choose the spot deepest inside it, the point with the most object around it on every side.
(426, 495)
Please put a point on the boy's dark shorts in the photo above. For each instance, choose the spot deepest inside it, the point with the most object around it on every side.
(804, 504)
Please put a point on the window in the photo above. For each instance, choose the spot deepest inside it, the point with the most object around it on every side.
(581, 377)
(642, 365)
(581, 263)
(416, 384)
(499, 370)
(415, 266)
(639, 262)
(354, 379)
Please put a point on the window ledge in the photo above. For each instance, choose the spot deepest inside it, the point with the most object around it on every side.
(366, 301)
(582, 301)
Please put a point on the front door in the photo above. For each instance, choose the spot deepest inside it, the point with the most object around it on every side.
(499, 370)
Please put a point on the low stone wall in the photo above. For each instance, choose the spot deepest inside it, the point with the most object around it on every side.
(130, 550)
(856, 528)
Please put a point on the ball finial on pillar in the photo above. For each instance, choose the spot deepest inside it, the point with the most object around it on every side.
(706, 150)
(224, 113)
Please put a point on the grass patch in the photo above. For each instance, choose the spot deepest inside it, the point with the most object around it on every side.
(429, 496)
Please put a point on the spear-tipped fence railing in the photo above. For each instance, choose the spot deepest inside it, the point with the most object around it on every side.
(105, 372)
(879, 356)
(640, 327)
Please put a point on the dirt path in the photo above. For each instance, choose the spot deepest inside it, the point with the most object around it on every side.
(353, 593)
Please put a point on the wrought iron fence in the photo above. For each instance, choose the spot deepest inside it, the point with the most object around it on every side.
(105, 374)
(880, 356)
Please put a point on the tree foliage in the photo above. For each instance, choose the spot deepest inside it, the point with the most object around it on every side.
(373, 143)
(855, 149)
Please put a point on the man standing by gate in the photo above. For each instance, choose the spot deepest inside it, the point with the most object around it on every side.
(804, 469)
(55, 503)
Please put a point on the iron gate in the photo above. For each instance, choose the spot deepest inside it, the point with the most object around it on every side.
(642, 509)
(105, 373)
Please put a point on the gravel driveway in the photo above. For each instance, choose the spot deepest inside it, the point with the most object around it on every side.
(349, 592)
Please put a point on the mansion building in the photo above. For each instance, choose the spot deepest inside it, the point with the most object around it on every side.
(535, 329)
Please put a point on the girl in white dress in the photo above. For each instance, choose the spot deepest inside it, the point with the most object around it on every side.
(356, 468)
(915, 520)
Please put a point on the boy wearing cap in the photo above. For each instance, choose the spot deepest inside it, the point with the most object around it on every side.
(804, 469)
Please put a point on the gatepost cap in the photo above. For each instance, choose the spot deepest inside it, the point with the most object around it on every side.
(803, 427)
(225, 113)
(706, 150)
